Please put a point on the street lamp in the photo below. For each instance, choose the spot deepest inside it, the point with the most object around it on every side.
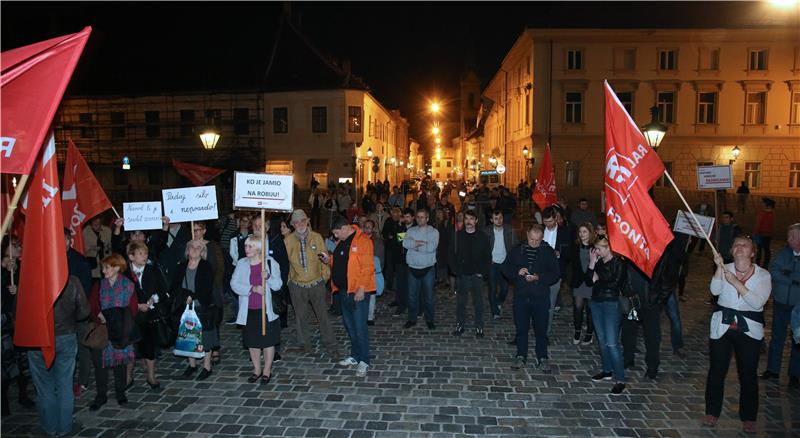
(654, 131)
(435, 107)
(436, 130)
(528, 161)
(209, 137)
(735, 152)
(369, 152)
(438, 140)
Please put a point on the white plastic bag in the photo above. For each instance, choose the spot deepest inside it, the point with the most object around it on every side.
(190, 335)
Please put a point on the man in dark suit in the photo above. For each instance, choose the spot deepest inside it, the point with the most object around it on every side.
(558, 238)
(498, 285)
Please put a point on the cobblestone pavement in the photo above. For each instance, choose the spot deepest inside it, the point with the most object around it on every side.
(428, 383)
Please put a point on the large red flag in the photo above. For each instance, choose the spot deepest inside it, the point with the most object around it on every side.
(83, 198)
(636, 227)
(544, 193)
(196, 173)
(43, 272)
(32, 83)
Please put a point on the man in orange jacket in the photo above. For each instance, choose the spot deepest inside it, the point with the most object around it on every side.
(353, 273)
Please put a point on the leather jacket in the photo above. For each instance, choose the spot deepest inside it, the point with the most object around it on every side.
(611, 282)
(70, 307)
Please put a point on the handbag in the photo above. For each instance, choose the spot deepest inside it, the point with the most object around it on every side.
(189, 342)
(122, 328)
(164, 331)
(279, 304)
(96, 336)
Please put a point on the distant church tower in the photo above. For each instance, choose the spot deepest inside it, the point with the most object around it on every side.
(470, 102)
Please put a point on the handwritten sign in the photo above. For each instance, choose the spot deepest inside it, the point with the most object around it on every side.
(714, 177)
(141, 215)
(686, 225)
(263, 191)
(190, 204)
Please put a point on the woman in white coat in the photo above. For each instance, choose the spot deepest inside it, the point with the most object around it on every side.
(246, 282)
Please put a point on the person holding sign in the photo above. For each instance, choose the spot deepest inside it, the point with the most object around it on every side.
(254, 300)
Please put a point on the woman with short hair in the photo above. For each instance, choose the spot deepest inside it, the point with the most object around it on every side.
(247, 283)
(737, 327)
(581, 291)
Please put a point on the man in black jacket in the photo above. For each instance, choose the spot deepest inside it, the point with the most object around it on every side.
(501, 240)
(533, 268)
(559, 237)
(651, 295)
(468, 260)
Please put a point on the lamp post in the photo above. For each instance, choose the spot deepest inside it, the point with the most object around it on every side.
(654, 133)
(209, 137)
(528, 162)
(735, 152)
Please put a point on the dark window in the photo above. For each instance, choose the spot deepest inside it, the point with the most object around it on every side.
(758, 59)
(471, 100)
(319, 119)
(707, 108)
(152, 126)
(354, 119)
(666, 107)
(155, 176)
(187, 123)
(120, 176)
(87, 129)
(573, 173)
(573, 107)
(280, 120)
(668, 59)
(575, 60)
(214, 118)
(626, 97)
(241, 121)
(117, 124)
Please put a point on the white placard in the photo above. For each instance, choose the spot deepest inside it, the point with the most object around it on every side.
(190, 204)
(686, 225)
(142, 215)
(263, 191)
(714, 177)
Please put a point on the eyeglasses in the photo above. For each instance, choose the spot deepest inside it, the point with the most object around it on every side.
(602, 237)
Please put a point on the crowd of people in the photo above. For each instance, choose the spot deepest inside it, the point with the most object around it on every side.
(245, 271)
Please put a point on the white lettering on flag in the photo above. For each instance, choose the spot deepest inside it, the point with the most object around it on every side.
(7, 145)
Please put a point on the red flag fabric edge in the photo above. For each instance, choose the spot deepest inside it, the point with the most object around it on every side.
(196, 173)
(544, 193)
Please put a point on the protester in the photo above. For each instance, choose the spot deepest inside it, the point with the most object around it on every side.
(581, 291)
(379, 217)
(785, 273)
(741, 196)
(353, 276)
(678, 250)
(115, 291)
(247, 283)
(583, 214)
(607, 275)
(395, 233)
(193, 282)
(307, 279)
(421, 242)
(236, 248)
(315, 202)
(79, 267)
(728, 230)
(762, 232)
(97, 243)
(151, 291)
(54, 396)
(170, 244)
(737, 327)
(469, 253)
(501, 239)
(533, 268)
(216, 259)
(276, 248)
(558, 236)
(379, 253)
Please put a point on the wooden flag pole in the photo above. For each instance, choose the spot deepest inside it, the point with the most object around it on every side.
(118, 216)
(263, 277)
(697, 222)
(23, 180)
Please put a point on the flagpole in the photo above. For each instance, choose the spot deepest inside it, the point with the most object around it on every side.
(263, 277)
(697, 222)
(23, 180)
(118, 216)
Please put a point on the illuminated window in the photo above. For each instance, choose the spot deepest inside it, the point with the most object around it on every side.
(752, 174)
(754, 110)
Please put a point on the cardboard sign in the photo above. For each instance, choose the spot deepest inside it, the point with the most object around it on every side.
(684, 223)
(714, 177)
(190, 204)
(263, 191)
(142, 215)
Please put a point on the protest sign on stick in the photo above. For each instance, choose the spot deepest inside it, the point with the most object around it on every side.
(190, 204)
(142, 215)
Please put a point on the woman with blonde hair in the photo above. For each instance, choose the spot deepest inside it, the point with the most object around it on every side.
(247, 283)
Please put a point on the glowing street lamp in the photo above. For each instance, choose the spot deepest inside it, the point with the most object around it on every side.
(654, 131)
(735, 152)
(209, 137)
(369, 152)
(393, 160)
(436, 130)
(435, 107)
(438, 140)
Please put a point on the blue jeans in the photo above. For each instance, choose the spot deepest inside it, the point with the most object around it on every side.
(531, 311)
(676, 328)
(415, 285)
(354, 316)
(781, 317)
(607, 318)
(55, 400)
(498, 288)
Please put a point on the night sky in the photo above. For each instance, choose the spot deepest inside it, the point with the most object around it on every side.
(407, 53)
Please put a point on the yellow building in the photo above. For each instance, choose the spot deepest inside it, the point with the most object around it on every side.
(717, 89)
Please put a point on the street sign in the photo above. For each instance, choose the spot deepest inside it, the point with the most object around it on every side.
(263, 191)
(142, 215)
(686, 225)
(501, 169)
(190, 204)
(714, 177)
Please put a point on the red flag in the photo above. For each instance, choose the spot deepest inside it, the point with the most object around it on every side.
(196, 173)
(83, 198)
(43, 272)
(636, 227)
(544, 194)
(32, 83)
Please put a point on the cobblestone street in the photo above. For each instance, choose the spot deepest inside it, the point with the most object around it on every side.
(429, 383)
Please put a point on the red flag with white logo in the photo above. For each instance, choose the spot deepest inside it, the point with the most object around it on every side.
(636, 227)
(32, 83)
(544, 193)
(82, 197)
(43, 272)
(196, 173)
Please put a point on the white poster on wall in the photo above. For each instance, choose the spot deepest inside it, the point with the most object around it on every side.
(190, 204)
(714, 177)
(142, 215)
(263, 191)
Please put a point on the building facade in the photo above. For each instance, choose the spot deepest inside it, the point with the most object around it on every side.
(716, 89)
